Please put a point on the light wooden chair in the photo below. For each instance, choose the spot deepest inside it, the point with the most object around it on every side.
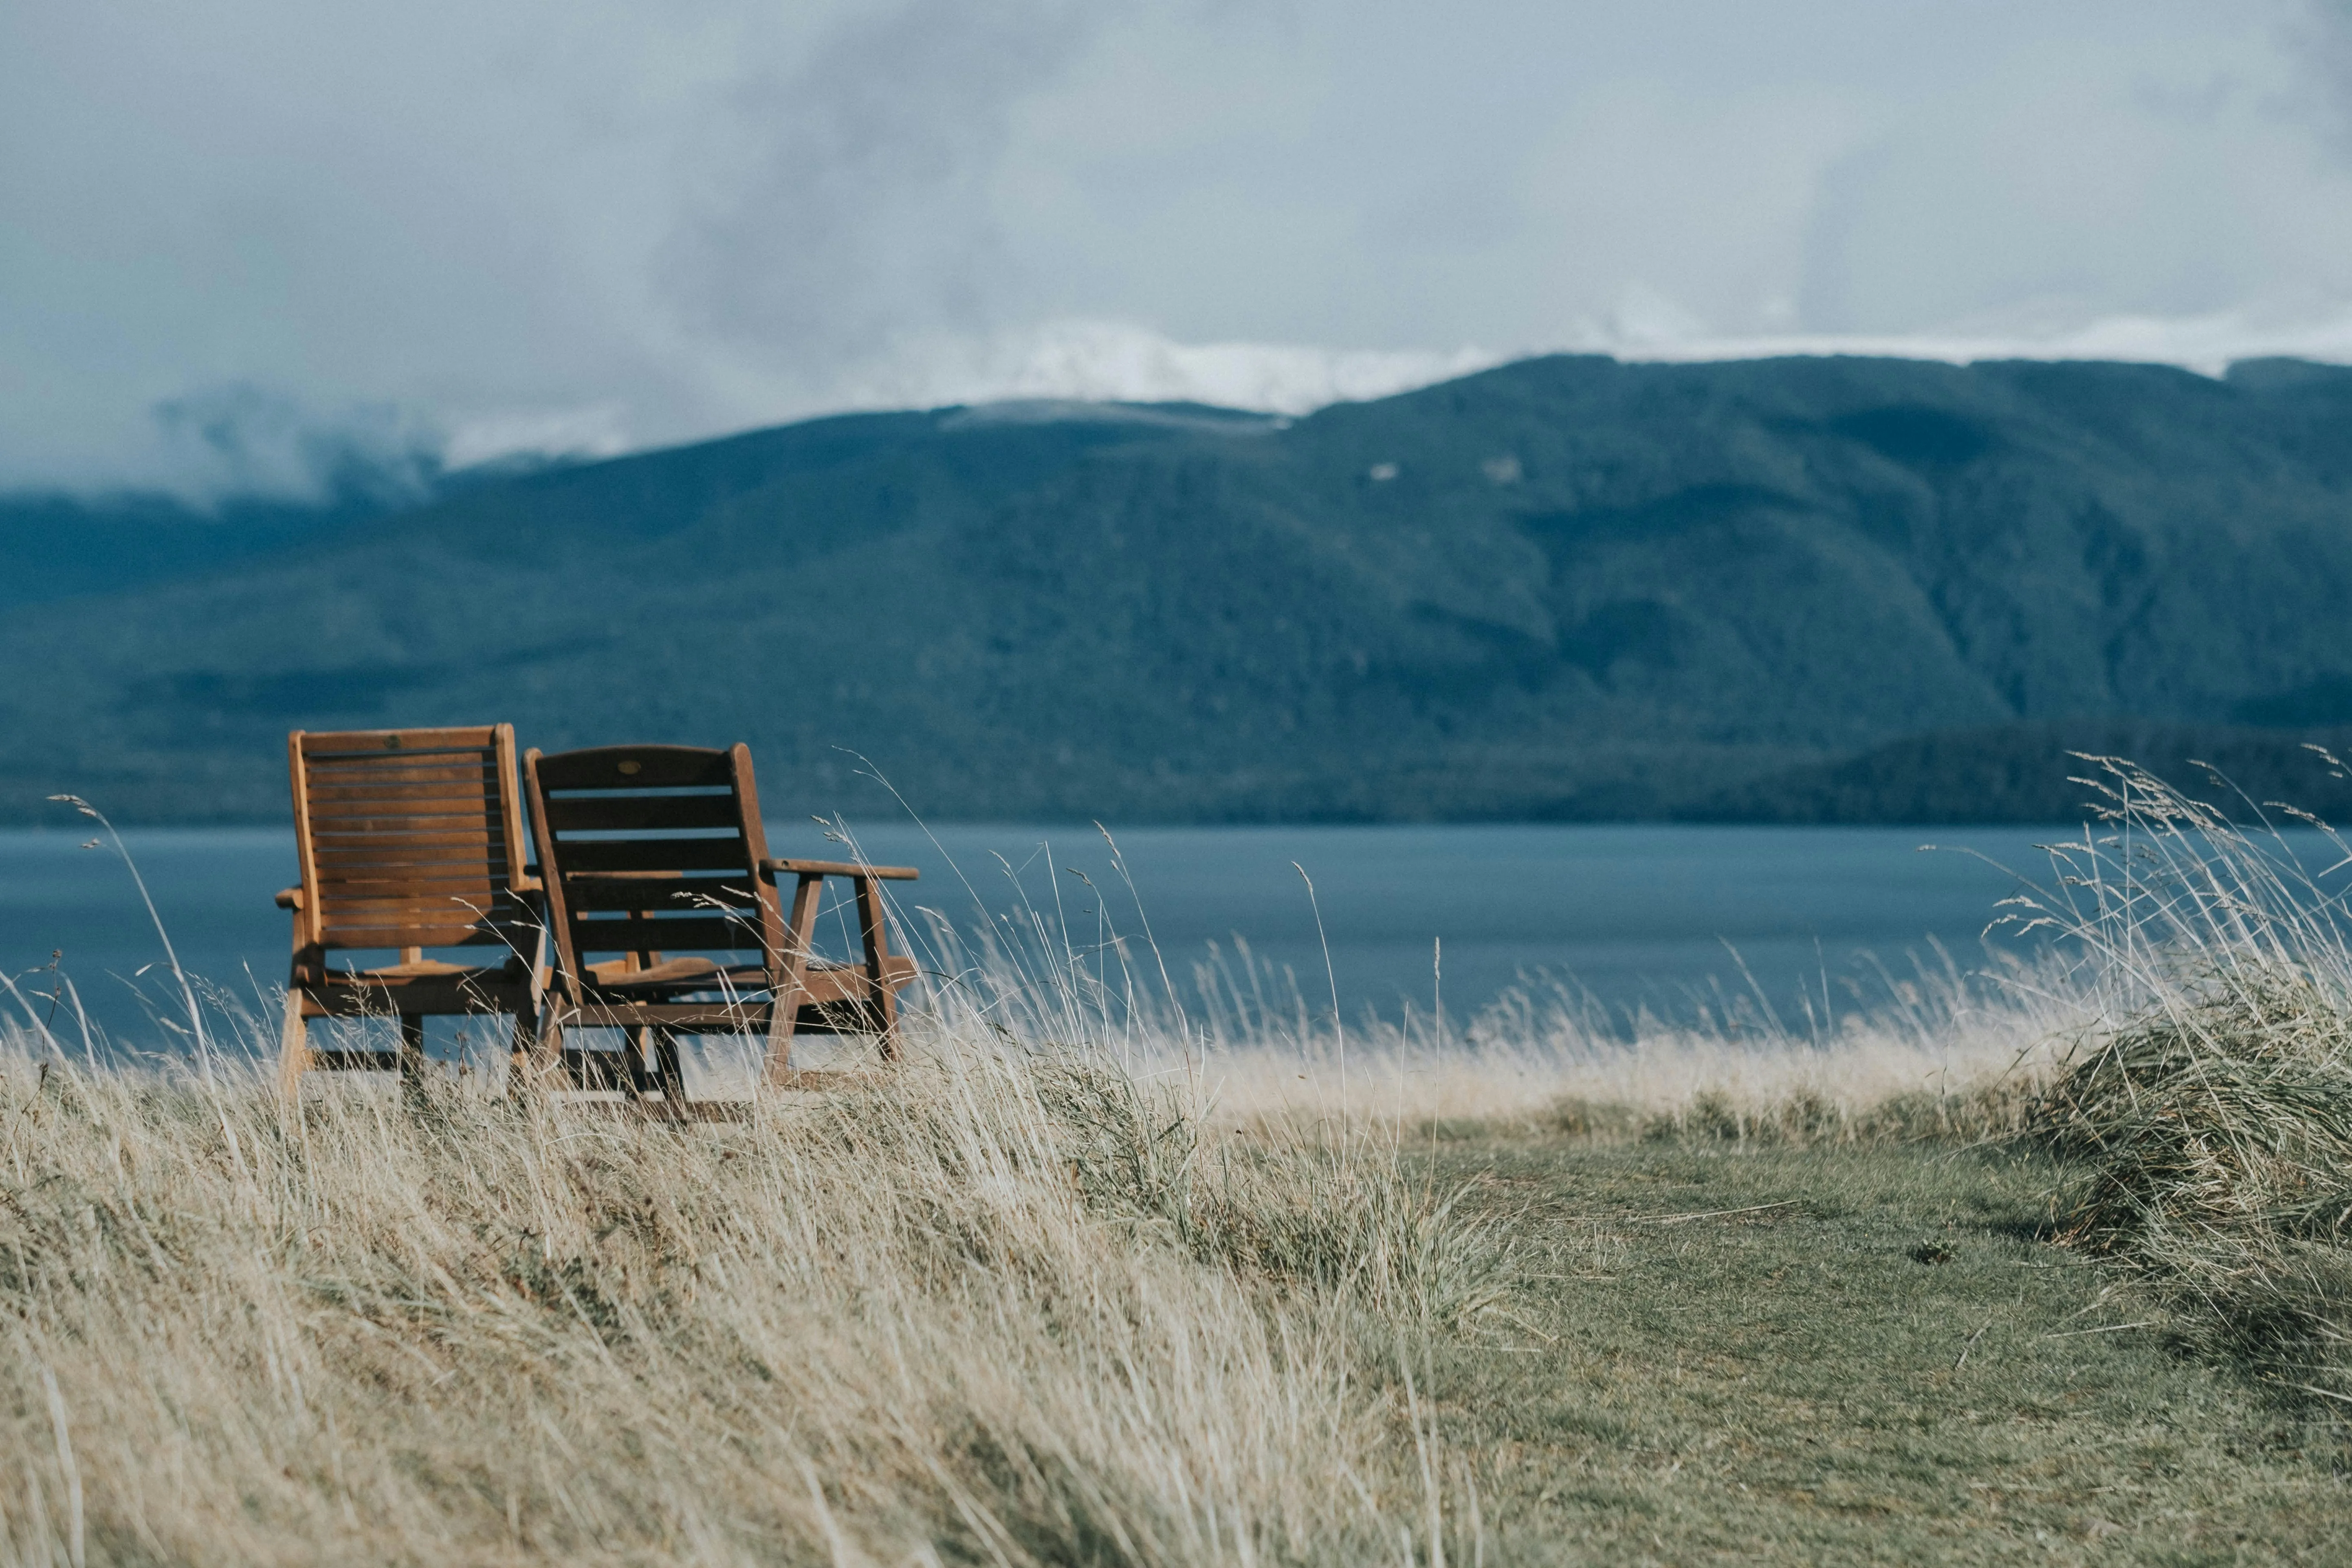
(408, 839)
(656, 855)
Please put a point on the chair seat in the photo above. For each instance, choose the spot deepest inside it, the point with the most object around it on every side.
(697, 973)
(672, 972)
(418, 968)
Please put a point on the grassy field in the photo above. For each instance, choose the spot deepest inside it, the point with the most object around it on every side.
(1849, 1354)
(2044, 1266)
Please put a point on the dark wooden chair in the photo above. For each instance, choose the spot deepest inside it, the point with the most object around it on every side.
(655, 856)
(408, 839)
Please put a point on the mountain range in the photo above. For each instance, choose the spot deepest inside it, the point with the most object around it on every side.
(1816, 589)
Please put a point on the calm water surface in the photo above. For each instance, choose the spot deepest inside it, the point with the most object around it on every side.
(1639, 915)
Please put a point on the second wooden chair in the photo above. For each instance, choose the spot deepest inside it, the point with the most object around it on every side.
(655, 856)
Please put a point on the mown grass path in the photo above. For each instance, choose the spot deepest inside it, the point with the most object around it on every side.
(1888, 1363)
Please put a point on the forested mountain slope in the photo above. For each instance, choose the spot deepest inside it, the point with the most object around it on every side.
(1567, 587)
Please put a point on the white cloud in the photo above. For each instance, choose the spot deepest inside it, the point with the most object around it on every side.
(596, 431)
(1112, 360)
(2206, 343)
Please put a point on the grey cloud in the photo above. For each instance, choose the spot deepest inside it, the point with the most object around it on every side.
(597, 224)
(242, 439)
(866, 213)
(2320, 38)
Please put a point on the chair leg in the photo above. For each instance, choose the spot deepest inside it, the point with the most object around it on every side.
(874, 931)
(667, 1076)
(542, 1067)
(293, 1047)
(637, 1052)
(785, 984)
(411, 1050)
(524, 1046)
(784, 1018)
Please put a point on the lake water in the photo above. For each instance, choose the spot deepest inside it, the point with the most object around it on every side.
(1638, 915)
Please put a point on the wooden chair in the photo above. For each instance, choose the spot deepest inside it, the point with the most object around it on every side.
(657, 855)
(408, 839)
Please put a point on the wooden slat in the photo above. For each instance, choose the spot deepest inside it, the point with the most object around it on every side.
(427, 862)
(416, 917)
(424, 882)
(403, 770)
(477, 826)
(328, 788)
(436, 875)
(843, 869)
(382, 936)
(690, 1017)
(393, 814)
(350, 757)
(663, 893)
(316, 748)
(390, 913)
(421, 769)
(478, 842)
(383, 777)
(479, 737)
(729, 853)
(355, 832)
(578, 814)
(305, 912)
(475, 894)
(394, 764)
(359, 818)
(419, 891)
(694, 933)
(378, 853)
(830, 981)
(408, 902)
(429, 902)
(332, 795)
(478, 845)
(609, 767)
(392, 780)
(484, 858)
(490, 979)
(341, 926)
(509, 798)
(467, 835)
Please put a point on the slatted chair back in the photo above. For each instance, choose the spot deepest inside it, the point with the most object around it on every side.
(409, 839)
(652, 853)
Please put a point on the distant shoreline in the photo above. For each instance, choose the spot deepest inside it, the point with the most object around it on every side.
(2021, 774)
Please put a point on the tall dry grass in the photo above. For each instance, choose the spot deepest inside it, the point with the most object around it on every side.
(1016, 1299)
(986, 1311)
(1934, 1047)
(2207, 1119)
(1940, 1052)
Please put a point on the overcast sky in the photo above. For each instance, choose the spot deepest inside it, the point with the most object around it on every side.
(231, 232)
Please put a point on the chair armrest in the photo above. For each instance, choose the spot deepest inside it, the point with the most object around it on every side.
(783, 868)
(527, 882)
(290, 897)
